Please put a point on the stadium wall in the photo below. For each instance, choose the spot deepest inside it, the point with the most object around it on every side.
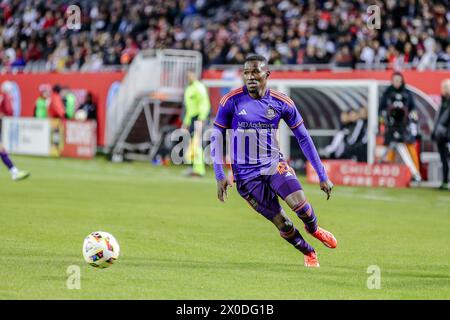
(427, 81)
(26, 90)
(104, 84)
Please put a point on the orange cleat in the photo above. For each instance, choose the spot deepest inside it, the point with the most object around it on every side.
(325, 237)
(311, 260)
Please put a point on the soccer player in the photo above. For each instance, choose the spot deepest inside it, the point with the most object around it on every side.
(6, 110)
(254, 111)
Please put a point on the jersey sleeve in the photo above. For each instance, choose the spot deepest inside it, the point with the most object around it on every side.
(291, 115)
(294, 120)
(223, 121)
(224, 115)
(309, 150)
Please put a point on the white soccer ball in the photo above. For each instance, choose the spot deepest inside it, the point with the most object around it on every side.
(81, 115)
(100, 249)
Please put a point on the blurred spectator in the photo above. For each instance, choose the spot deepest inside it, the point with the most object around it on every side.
(356, 140)
(284, 31)
(445, 56)
(56, 106)
(69, 101)
(6, 109)
(350, 142)
(42, 102)
(344, 58)
(336, 148)
(87, 110)
(441, 132)
(429, 58)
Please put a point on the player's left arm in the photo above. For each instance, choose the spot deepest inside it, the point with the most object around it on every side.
(294, 120)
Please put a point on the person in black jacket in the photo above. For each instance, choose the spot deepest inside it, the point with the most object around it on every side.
(89, 108)
(441, 132)
(398, 112)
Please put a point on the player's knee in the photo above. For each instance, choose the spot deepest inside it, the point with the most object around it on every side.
(295, 198)
(287, 226)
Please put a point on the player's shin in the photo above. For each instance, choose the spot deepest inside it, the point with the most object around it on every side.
(6, 160)
(293, 236)
(306, 213)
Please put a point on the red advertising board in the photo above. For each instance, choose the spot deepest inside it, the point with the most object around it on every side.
(80, 139)
(100, 84)
(351, 173)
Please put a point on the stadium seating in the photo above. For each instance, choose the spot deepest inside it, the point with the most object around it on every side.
(326, 34)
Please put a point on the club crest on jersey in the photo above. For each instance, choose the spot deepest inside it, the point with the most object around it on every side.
(270, 113)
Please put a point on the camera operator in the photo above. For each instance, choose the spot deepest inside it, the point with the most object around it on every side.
(398, 112)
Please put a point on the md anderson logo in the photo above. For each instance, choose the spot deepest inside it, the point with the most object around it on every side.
(255, 125)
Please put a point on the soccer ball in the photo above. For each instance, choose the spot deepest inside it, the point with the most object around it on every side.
(100, 249)
(81, 115)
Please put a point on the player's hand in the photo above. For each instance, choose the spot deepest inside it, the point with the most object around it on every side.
(326, 187)
(222, 187)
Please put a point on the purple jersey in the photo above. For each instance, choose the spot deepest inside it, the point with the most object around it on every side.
(254, 148)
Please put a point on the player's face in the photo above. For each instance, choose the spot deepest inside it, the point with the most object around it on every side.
(255, 76)
(190, 76)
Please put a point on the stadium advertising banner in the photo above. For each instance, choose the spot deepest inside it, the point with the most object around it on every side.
(351, 173)
(50, 137)
(80, 139)
(26, 136)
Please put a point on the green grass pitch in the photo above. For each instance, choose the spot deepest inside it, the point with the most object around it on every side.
(178, 242)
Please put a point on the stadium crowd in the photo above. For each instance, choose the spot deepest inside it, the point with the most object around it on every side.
(414, 32)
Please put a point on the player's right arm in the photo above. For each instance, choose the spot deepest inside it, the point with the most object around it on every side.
(221, 124)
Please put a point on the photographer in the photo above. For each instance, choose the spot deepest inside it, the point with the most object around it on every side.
(441, 132)
(398, 112)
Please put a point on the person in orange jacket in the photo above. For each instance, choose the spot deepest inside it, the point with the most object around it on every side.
(56, 107)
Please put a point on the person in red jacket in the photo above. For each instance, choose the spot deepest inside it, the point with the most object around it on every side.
(6, 110)
(56, 107)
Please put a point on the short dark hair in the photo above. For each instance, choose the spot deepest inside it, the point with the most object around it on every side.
(57, 88)
(256, 57)
(398, 73)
